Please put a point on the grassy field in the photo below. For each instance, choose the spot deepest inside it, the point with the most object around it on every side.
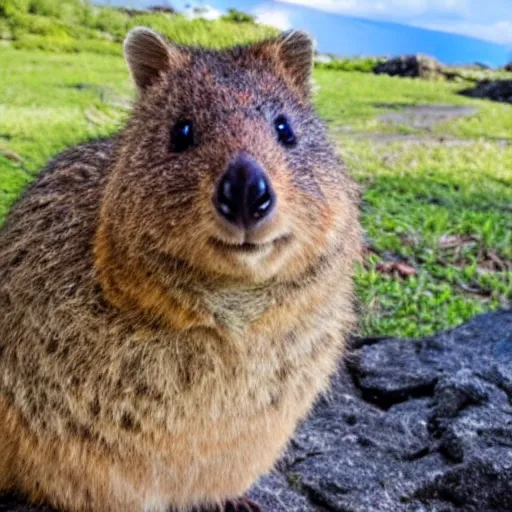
(437, 204)
(77, 25)
(437, 199)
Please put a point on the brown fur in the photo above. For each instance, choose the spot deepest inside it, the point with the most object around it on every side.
(142, 365)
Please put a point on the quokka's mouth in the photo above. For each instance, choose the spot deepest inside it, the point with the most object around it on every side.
(247, 247)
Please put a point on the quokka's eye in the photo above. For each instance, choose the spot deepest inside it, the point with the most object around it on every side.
(182, 136)
(285, 133)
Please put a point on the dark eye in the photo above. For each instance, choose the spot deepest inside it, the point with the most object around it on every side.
(285, 133)
(182, 136)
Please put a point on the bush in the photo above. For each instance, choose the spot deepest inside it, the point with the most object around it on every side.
(9, 7)
(5, 29)
(23, 24)
(71, 11)
(236, 16)
(49, 8)
(112, 21)
(67, 44)
(199, 32)
(361, 64)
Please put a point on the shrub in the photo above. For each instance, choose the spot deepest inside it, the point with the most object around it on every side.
(66, 44)
(361, 64)
(5, 29)
(112, 21)
(71, 11)
(199, 32)
(237, 16)
(8, 7)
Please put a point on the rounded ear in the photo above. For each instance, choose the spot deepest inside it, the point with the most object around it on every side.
(292, 56)
(296, 52)
(148, 55)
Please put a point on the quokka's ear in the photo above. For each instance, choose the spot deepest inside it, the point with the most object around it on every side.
(148, 55)
(292, 55)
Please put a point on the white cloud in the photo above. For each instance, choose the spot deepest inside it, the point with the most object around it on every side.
(389, 9)
(274, 17)
(500, 32)
(456, 16)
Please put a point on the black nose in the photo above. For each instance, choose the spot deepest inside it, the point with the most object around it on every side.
(244, 196)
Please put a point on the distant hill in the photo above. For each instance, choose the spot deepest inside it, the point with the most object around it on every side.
(344, 35)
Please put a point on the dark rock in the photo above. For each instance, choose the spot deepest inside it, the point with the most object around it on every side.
(278, 493)
(495, 90)
(132, 12)
(457, 487)
(386, 377)
(408, 426)
(421, 425)
(412, 66)
(166, 9)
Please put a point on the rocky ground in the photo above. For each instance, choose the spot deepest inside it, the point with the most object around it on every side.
(425, 67)
(409, 426)
(421, 425)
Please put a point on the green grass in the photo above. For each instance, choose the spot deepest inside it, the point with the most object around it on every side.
(416, 197)
(361, 64)
(50, 102)
(414, 194)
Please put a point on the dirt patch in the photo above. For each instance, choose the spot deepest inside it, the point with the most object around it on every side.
(423, 140)
(421, 118)
(424, 117)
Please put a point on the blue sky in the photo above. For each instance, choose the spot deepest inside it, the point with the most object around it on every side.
(485, 19)
(490, 20)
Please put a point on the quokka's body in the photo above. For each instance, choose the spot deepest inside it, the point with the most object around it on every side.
(173, 299)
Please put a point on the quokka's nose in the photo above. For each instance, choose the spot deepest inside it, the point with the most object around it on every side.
(244, 195)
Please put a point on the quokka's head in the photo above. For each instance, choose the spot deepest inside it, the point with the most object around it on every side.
(224, 164)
